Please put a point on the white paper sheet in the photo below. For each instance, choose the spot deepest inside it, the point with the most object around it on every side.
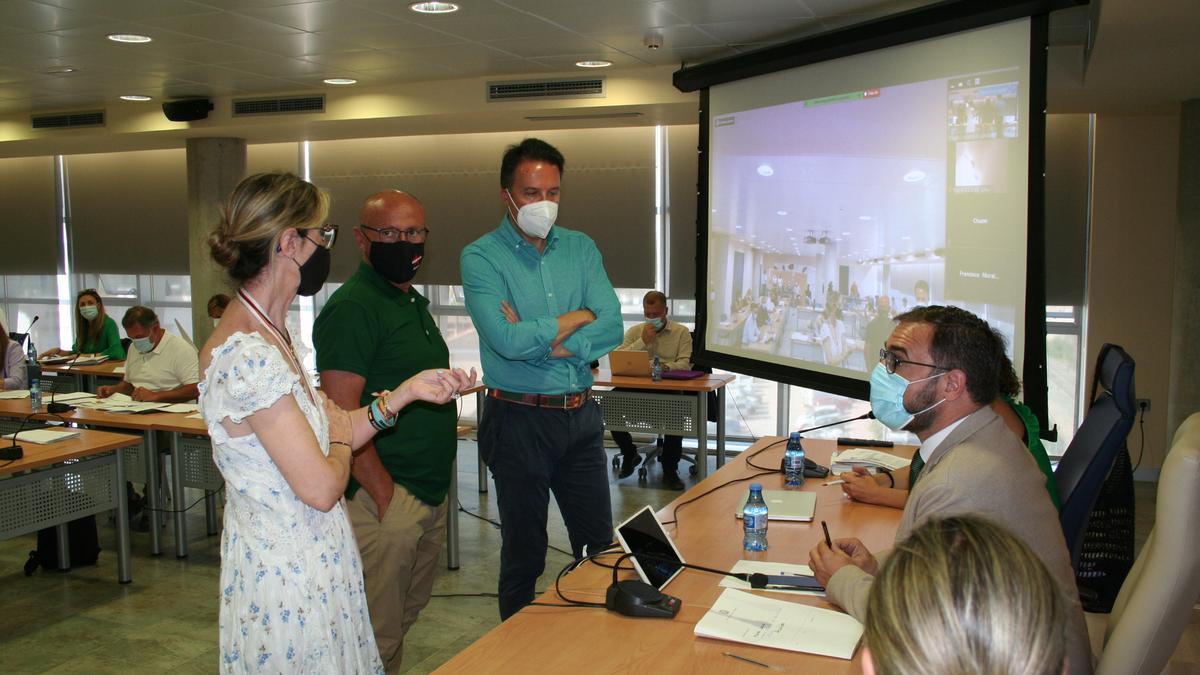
(753, 566)
(751, 619)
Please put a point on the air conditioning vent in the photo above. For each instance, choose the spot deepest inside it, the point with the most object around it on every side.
(278, 106)
(93, 118)
(588, 87)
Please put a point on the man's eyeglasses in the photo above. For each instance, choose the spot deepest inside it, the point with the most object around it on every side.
(390, 235)
(891, 362)
(326, 235)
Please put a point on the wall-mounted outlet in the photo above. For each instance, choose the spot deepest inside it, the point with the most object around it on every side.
(1143, 404)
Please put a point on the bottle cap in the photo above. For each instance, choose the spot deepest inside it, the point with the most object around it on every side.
(756, 486)
(795, 436)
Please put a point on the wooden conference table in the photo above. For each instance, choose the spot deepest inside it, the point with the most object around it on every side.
(66, 480)
(553, 639)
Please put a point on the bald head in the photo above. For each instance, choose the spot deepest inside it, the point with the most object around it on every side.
(382, 209)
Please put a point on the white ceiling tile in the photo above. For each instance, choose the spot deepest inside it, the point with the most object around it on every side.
(247, 4)
(830, 8)
(326, 15)
(673, 37)
(278, 66)
(371, 59)
(559, 43)
(566, 62)
(758, 30)
(220, 26)
(299, 44)
(721, 11)
(393, 36)
(491, 26)
(610, 15)
(133, 10)
(28, 16)
(207, 51)
(416, 72)
(33, 47)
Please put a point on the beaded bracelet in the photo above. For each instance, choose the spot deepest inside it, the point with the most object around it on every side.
(378, 416)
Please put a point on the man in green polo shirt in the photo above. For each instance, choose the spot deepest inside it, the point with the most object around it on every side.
(375, 332)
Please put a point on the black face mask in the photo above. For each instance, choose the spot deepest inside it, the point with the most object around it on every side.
(313, 272)
(397, 262)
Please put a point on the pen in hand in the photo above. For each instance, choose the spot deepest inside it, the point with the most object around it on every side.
(828, 541)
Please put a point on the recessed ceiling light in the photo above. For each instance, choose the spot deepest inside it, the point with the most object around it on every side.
(914, 176)
(781, 213)
(594, 63)
(61, 70)
(340, 80)
(433, 7)
(135, 97)
(765, 170)
(132, 38)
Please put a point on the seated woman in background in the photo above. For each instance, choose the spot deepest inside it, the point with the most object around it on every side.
(12, 368)
(963, 595)
(95, 331)
(891, 489)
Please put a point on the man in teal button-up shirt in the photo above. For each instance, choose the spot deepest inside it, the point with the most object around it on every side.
(544, 310)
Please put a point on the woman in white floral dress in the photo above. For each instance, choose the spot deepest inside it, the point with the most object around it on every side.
(291, 580)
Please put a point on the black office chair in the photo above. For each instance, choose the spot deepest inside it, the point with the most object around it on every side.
(19, 338)
(1090, 456)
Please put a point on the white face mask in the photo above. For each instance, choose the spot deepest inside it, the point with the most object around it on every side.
(537, 218)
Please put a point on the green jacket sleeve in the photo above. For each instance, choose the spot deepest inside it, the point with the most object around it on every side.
(110, 341)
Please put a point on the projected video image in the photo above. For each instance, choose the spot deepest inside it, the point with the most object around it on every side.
(830, 216)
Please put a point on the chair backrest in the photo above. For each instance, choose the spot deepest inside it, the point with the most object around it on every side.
(1090, 456)
(1155, 602)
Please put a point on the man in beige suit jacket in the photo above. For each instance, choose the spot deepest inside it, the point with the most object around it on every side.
(972, 464)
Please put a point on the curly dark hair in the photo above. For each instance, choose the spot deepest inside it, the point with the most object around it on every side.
(966, 342)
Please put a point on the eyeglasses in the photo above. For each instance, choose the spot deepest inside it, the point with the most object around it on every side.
(891, 362)
(327, 234)
(390, 235)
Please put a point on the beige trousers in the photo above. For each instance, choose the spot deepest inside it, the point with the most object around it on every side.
(399, 557)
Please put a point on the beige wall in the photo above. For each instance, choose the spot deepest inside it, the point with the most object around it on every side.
(1131, 281)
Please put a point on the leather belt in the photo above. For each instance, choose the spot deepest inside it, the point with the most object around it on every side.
(558, 401)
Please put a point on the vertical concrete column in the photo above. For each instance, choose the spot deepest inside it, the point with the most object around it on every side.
(1184, 391)
(214, 167)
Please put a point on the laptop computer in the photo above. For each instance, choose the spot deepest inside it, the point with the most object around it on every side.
(642, 533)
(630, 363)
(790, 505)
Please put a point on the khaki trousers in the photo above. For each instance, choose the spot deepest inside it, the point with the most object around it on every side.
(399, 558)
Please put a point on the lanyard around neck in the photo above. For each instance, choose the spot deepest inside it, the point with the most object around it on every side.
(257, 311)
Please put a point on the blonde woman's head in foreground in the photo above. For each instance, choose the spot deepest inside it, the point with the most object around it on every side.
(963, 595)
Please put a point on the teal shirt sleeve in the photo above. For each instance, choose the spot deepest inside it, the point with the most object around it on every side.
(604, 334)
(483, 288)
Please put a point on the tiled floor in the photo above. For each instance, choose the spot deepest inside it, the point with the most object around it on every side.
(166, 621)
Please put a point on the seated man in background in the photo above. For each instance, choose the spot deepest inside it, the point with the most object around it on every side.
(161, 367)
(938, 376)
(216, 307)
(672, 343)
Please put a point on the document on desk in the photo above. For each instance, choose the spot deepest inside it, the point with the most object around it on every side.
(181, 408)
(771, 568)
(14, 393)
(871, 459)
(121, 403)
(74, 397)
(750, 619)
(41, 436)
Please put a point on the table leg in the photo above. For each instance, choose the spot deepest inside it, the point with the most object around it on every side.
(64, 546)
(721, 427)
(452, 561)
(124, 573)
(701, 435)
(483, 486)
(210, 512)
(181, 544)
(154, 500)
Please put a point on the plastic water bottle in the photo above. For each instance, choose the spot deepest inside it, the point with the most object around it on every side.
(754, 520)
(34, 371)
(656, 369)
(793, 462)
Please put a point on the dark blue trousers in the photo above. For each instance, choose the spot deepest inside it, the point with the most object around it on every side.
(532, 452)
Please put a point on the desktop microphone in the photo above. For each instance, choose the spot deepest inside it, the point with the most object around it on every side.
(14, 452)
(57, 408)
